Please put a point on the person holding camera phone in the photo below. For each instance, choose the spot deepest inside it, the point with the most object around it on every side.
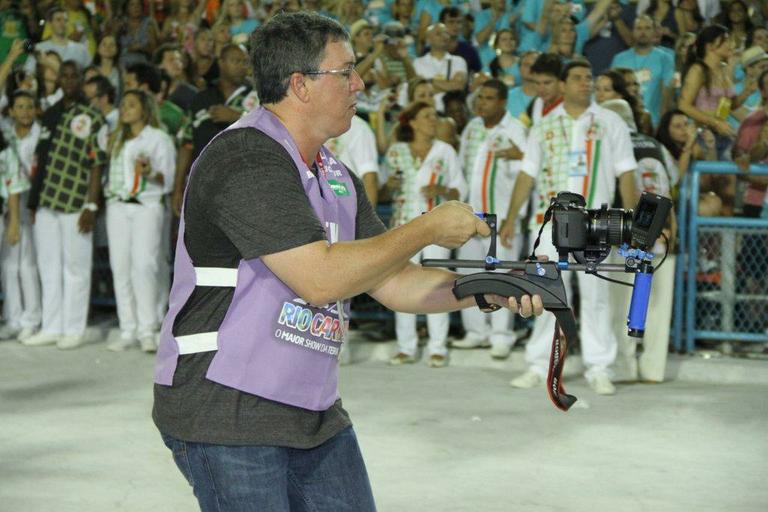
(579, 147)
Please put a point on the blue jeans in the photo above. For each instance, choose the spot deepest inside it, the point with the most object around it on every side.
(330, 477)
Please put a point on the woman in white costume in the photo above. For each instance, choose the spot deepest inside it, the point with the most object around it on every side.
(142, 163)
(423, 172)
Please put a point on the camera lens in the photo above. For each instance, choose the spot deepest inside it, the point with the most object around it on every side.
(609, 227)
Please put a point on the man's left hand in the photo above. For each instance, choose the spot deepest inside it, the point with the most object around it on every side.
(526, 307)
(512, 153)
(86, 221)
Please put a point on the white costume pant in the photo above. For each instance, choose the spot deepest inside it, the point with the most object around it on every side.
(134, 232)
(653, 361)
(598, 343)
(496, 327)
(21, 284)
(164, 264)
(437, 324)
(65, 260)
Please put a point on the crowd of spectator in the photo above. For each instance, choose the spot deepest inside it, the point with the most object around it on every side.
(105, 104)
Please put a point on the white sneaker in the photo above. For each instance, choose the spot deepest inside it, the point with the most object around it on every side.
(527, 380)
(148, 343)
(402, 358)
(8, 333)
(121, 345)
(70, 341)
(500, 352)
(471, 340)
(40, 339)
(26, 333)
(601, 384)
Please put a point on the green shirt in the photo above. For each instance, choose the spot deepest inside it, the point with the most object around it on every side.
(11, 27)
(174, 119)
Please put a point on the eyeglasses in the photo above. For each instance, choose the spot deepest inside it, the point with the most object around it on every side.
(345, 72)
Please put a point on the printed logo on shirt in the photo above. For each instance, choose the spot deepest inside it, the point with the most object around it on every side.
(339, 188)
(309, 327)
(81, 126)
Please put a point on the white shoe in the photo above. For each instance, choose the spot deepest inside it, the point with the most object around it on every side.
(8, 333)
(471, 340)
(527, 380)
(70, 341)
(601, 384)
(121, 345)
(148, 343)
(500, 352)
(402, 358)
(40, 339)
(26, 333)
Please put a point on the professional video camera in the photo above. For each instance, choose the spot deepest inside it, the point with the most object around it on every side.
(589, 236)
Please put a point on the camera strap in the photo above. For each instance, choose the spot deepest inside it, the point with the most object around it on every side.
(565, 332)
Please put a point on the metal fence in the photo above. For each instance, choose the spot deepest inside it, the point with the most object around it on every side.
(721, 279)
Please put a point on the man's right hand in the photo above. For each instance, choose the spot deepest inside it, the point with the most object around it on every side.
(177, 200)
(507, 233)
(454, 223)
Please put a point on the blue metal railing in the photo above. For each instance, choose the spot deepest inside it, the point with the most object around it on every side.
(685, 330)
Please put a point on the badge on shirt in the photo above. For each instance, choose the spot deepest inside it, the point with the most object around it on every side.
(643, 75)
(339, 188)
(81, 126)
(577, 163)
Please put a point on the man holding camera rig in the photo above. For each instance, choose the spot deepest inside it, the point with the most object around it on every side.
(276, 235)
(579, 147)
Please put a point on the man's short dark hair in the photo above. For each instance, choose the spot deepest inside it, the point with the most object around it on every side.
(502, 91)
(231, 47)
(22, 93)
(103, 87)
(548, 64)
(290, 43)
(579, 63)
(453, 12)
(458, 96)
(145, 74)
(157, 58)
(53, 11)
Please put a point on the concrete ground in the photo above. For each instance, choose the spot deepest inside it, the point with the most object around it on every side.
(75, 435)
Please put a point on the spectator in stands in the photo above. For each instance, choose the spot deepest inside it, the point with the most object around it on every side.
(141, 171)
(751, 147)
(736, 20)
(234, 14)
(506, 64)
(656, 173)
(457, 115)
(583, 148)
(48, 89)
(58, 42)
(102, 95)
(105, 61)
(213, 109)
(21, 286)
(422, 173)
(168, 58)
(754, 61)
(653, 69)
(708, 95)
(394, 66)
(64, 200)
(687, 144)
(562, 32)
(611, 86)
(137, 33)
(447, 72)
(758, 37)
(453, 19)
(490, 155)
(488, 22)
(181, 26)
(204, 67)
(221, 36)
(669, 17)
(614, 35)
(523, 95)
(428, 14)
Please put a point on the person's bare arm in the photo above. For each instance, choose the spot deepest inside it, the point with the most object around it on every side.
(457, 83)
(183, 163)
(628, 190)
(520, 192)
(601, 7)
(321, 273)
(693, 82)
(371, 184)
